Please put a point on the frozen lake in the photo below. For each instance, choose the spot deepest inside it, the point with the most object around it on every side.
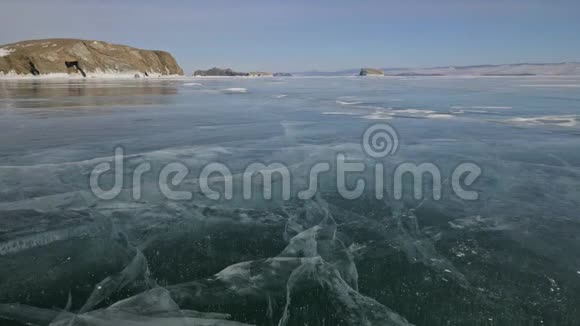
(510, 257)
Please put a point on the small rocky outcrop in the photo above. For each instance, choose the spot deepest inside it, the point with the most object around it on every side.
(83, 58)
(371, 72)
(260, 74)
(282, 74)
(219, 72)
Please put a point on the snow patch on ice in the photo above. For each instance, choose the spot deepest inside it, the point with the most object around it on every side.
(440, 116)
(347, 103)
(235, 90)
(339, 113)
(556, 120)
(482, 107)
(378, 115)
(414, 111)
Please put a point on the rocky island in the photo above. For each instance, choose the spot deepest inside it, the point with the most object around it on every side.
(227, 72)
(215, 72)
(260, 74)
(84, 58)
(371, 72)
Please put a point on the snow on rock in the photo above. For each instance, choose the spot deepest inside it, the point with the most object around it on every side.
(5, 51)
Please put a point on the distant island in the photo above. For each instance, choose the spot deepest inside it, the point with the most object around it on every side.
(83, 58)
(228, 72)
(260, 74)
(371, 72)
(219, 72)
(518, 69)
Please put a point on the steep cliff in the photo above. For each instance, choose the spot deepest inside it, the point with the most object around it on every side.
(83, 58)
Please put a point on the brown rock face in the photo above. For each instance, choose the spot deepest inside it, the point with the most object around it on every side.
(84, 58)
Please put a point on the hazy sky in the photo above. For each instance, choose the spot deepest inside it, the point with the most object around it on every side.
(296, 35)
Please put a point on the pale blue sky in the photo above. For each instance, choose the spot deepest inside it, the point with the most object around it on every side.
(308, 34)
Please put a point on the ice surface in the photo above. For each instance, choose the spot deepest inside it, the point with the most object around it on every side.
(68, 257)
(154, 307)
(137, 268)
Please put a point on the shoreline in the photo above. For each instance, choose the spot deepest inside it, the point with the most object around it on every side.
(131, 76)
(63, 76)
